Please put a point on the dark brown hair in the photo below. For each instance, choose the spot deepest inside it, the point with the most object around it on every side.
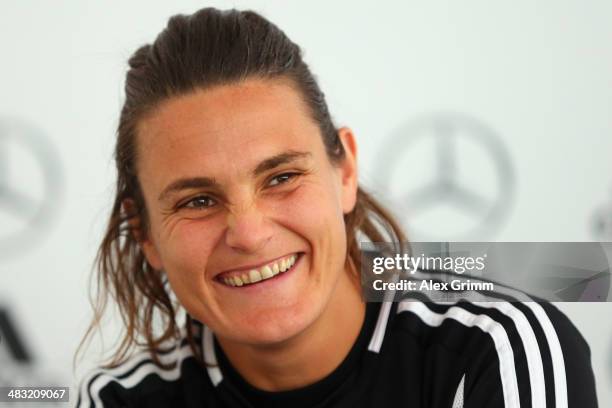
(194, 52)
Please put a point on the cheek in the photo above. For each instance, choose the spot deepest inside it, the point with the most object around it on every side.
(315, 212)
(187, 248)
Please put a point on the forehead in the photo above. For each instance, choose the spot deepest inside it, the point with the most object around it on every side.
(227, 126)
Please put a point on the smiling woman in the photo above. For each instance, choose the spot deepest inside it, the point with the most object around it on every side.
(232, 253)
(225, 215)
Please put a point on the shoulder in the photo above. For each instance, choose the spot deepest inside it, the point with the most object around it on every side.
(512, 349)
(140, 379)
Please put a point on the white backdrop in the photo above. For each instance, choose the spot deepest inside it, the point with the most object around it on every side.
(532, 78)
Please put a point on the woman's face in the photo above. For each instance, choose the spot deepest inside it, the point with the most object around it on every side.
(238, 188)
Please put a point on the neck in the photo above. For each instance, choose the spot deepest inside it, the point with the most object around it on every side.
(292, 364)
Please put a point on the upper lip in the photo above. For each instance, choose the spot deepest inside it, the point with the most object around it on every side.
(255, 266)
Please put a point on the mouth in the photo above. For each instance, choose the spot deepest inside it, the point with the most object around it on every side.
(263, 273)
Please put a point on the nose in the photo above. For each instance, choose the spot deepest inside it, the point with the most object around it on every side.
(248, 230)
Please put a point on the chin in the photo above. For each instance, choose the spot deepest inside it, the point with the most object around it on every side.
(278, 327)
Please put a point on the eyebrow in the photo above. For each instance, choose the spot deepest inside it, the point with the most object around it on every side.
(280, 159)
(209, 182)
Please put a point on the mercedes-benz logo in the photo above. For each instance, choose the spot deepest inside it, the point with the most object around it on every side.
(30, 185)
(449, 175)
(21, 367)
(602, 222)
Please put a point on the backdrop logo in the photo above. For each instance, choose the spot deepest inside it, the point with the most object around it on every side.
(30, 185)
(602, 222)
(11, 341)
(448, 176)
(19, 368)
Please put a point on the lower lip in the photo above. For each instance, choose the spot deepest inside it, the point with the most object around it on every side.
(265, 283)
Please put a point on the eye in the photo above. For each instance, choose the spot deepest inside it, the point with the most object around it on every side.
(282, 178)
(199, 202)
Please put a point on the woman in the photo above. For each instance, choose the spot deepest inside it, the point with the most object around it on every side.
(232, 253)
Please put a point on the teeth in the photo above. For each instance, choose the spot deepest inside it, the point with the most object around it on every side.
(291, 261)
(254, 275)
(266, 272)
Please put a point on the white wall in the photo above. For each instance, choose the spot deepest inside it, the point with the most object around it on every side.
(536, 73)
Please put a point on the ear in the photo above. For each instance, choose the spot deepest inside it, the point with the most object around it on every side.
(146, 244)
(348, 169)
